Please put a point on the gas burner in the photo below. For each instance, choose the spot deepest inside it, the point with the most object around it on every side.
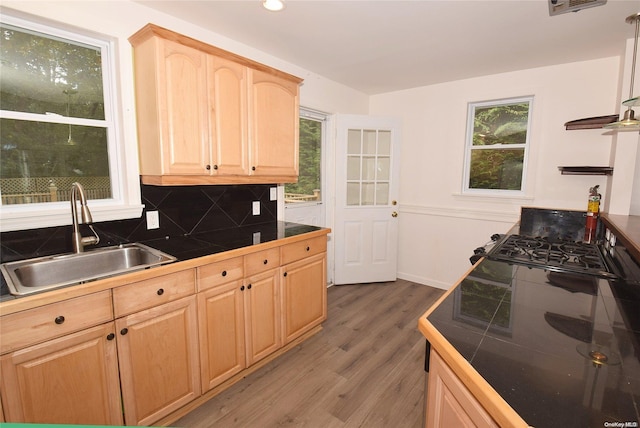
(558, 256)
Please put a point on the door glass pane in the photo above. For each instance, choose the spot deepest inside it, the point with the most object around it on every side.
(369, 168)
(368, 193)
(382, 194)
(353, 194)
(354, 137)
(384, 143)
(383, 168)
(369, 142)
(353, 168)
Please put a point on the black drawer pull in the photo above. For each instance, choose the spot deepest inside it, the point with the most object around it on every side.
(59, 319)
(111, 336)
(253, 168)
(160, 291)
(124, 331)
(249, 287)
(265, 261)
(208, 167)
(308, 248)
(224, 273)
(284, 274)
(215, 167)
(242, 288)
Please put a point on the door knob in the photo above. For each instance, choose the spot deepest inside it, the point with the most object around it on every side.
(394, 214)
(394, 202)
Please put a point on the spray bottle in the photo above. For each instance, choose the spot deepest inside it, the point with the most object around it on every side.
(593, 210)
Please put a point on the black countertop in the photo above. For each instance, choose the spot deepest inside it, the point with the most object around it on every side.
(187, 247)
(529, 333)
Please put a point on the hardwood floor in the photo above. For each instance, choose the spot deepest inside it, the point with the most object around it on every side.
(364, 369)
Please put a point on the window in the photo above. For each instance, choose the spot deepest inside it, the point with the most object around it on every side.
(309, 185)
(497, 146)
(57, 123)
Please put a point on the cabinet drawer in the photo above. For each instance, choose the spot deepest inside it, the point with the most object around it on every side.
(301, 249)
(57, 319)
(153, 292)
(219, 273)
(261, 261)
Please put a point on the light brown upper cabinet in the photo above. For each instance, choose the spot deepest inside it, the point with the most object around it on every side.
(208, 116)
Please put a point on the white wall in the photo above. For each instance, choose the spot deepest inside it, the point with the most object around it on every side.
(439, 228)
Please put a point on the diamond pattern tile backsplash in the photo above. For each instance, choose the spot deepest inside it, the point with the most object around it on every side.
(183, 211)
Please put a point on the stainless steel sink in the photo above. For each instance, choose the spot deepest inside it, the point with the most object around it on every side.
(47, 273)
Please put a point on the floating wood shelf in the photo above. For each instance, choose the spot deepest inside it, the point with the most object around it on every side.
(586, 170)
(591, 122)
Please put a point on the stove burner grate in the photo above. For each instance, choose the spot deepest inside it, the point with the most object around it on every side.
(559, 256)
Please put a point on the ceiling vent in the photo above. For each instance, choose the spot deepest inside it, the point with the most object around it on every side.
(556, 7)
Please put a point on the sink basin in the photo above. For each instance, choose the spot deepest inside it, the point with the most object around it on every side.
(47, 273)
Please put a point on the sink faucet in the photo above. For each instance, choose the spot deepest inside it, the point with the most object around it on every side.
(79, 241)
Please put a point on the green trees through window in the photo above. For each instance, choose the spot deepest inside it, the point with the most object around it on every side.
(53, 127)
(308, 187)
(498, 143)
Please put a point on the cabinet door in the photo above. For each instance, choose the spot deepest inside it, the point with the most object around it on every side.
(262, 315)
(182, 83)
(449, 402)
(228, 125)
(304, 290)
(273, 125)
(159, 362)
(221, 330)
(69, 380)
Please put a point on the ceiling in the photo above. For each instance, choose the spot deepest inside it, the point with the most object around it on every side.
(384, 46)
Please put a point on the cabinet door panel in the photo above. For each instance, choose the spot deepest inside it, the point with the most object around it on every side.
(273, 125)
(69, 380)
(159, 362)
(304, 290)
(221, 322)
(449, 402)
(186, 145)
(228, 119)
(263, 315)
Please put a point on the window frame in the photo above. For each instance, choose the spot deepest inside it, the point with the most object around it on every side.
(123, 163)
(469, 148)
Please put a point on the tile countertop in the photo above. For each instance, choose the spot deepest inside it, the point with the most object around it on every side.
(519, 338)
(190, 251)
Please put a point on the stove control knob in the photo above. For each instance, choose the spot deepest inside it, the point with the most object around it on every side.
(479, 250)
(495, 237)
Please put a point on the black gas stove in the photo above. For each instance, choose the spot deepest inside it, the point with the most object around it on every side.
(557, 255)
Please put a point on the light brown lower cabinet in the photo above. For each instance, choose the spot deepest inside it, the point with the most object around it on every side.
(449, 402)
(304, 295)
(159, 362)
(239, 325)
(69, 380)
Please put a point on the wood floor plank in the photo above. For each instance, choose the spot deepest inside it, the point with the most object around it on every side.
(364, 369)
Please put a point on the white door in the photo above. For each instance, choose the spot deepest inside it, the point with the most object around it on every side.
(366, 210)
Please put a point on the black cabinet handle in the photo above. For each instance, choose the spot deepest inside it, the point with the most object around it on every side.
(253, 168)
(124, 331)
(284, 274)
(242, 288)
(111, 336)
(265, 261)
(59, 319)
(224, 273)
(249, 287)
(215, 167)
(308, 248)
(160, 291)
(208, 167)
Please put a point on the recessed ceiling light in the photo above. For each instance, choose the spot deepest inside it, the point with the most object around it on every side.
(273, 5)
